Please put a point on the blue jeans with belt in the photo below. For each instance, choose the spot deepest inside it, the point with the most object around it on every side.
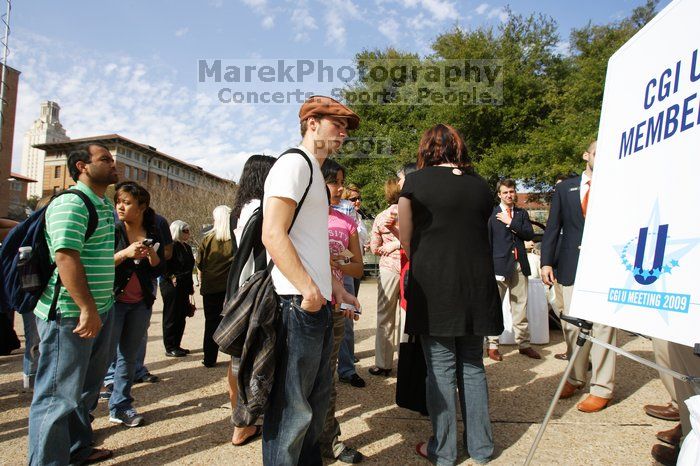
(130, 325)
(299, 399)
(68, 379)
(456, 363)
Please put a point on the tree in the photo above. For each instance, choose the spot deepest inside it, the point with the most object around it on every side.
(548, 115)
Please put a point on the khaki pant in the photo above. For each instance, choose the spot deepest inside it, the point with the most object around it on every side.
(517, 283)
(662, 359)
(602, 359)
(681, 359)
(387, 302)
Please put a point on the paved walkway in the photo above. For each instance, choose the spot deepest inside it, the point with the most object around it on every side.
(188, 412)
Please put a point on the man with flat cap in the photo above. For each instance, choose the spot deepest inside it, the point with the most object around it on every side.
(295, 191)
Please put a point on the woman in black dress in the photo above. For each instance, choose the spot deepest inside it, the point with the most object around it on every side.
(452, 297)
(177, 287)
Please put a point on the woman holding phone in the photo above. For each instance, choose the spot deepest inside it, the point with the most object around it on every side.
(138, 259)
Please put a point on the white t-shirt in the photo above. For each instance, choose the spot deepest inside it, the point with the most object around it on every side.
(246, 213)
(288, 178)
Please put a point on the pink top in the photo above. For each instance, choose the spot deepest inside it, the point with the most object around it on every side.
(383, 243)
(132, 291)
(340, 228)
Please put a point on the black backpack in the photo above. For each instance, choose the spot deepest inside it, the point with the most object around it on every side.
(24, 283)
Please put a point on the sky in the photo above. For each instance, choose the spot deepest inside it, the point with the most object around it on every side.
(131, 67)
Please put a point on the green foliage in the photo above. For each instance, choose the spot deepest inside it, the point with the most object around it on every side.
(548, 116)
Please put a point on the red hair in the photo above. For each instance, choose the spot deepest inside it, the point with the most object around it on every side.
(442, 144)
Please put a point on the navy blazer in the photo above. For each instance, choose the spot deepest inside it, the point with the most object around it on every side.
(566, 217)
(505, 239)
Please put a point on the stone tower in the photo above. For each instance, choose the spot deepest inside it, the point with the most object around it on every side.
(47, 128)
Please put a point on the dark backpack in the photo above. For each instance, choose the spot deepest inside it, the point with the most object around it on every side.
(23, 284)
(248, 327)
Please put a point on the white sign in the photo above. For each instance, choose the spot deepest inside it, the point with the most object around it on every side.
(639, 266)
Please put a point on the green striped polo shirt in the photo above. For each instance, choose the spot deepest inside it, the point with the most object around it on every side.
(66, 223)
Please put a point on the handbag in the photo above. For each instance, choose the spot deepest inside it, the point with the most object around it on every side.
(411, 376)
(192, 307)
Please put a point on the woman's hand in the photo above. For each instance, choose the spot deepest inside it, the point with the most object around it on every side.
(136, 250)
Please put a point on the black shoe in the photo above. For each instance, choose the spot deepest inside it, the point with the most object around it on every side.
(354, 380)
(208, 364)
(184, 350)
(350, 455)
(379, 371)
(176, 353)
(107, 393)
(148, 378)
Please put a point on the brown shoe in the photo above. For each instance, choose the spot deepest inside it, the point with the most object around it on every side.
(530, 353)
(561, 356)
(668, 456)
(667, 413)
(593, 404)
(495, 355)
(569, 390)
(671, 436)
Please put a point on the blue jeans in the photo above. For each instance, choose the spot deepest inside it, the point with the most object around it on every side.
(68, 379)
(299, 399)
(130, 325)
(346, 355)
(31, 344)
(141, 369)
(455, 363)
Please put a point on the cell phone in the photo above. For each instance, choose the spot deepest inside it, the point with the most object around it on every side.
(346, 306)
(148, 242)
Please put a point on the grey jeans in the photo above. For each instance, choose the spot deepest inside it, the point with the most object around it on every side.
(455, 363)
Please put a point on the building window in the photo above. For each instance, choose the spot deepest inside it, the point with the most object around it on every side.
(56, 189)
(136, 173)
(127, 172)
(57, 171)
(143, 174)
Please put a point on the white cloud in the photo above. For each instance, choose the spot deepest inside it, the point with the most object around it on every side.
(302, 24)
(481, 9)
(499, 13)
(142, 101)
(268, 22)
(441, 9)
(337, 12)
(182, 31)
(390, 29)
(420, 22)
(256, 4)
(216, 3)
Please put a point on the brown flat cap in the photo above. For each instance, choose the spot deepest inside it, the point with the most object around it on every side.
(319, 105)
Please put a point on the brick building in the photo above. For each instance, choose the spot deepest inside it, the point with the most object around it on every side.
(135, 162)
(8, 131)
(17, 200)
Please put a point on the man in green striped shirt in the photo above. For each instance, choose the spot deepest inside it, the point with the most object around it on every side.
(74, 348)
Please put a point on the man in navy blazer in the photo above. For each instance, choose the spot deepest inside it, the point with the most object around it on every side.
(564, 230)
(509, 228)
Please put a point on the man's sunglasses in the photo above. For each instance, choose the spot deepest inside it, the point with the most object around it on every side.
(355, 199)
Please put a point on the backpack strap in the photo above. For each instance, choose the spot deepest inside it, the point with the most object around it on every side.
(233, 224)
(91, 227)
(295, 150)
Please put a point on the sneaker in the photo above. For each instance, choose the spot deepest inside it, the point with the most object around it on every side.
(107, 393)
(128, 417)
(148, 378)
(354, 380)
(350, 455)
